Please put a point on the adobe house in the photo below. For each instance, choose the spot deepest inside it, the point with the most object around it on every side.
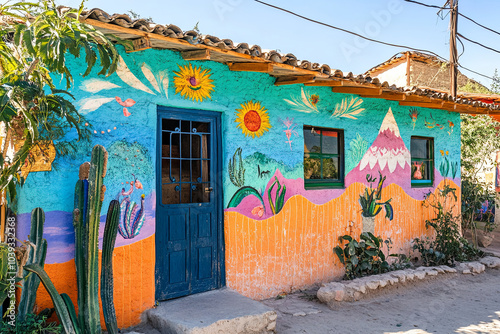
(412, 68)
(245, 166)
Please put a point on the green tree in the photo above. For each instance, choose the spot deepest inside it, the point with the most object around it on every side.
(36, 40)
(495, 85)
(480, 138)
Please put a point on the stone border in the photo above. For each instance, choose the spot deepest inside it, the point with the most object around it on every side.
(335, 292)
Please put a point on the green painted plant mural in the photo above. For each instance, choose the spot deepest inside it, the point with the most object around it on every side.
(369, 199)
(358, 147)
(279, 198)
(241, 194)
(446, 166)
(236, 170)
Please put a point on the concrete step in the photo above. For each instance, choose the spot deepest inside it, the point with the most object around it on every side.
(218, 311)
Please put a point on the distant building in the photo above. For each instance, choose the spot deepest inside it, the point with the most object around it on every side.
(417, 69)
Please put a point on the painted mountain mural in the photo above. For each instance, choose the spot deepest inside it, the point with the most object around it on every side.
(387, 155)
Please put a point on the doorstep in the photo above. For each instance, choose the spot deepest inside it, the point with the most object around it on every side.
(218, 311)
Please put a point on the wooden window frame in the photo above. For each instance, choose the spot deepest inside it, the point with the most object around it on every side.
(310, 184)
(430, 158)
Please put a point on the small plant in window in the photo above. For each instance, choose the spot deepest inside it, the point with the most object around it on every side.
(369, 200)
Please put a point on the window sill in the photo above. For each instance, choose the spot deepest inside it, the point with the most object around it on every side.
(323, 186)
(422, 184)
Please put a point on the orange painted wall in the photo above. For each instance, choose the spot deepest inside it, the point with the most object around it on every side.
(134, 288)
(294, 249)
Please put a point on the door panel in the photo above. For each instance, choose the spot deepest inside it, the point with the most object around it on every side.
(189, 214)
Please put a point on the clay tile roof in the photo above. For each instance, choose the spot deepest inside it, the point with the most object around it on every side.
(284, 67)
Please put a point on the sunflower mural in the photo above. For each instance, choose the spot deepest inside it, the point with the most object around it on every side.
(193, 82)
(252, 119)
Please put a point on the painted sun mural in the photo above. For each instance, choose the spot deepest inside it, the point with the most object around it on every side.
(193, 82)
(252, 119)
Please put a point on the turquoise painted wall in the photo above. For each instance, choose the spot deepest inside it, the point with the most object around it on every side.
(122, 110)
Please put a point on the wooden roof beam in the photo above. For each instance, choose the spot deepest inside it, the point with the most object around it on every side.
(389, 96)
(433, 105)
(196, 55)
(294, 79)
(251, 67)
(325, 83)
(367, 91)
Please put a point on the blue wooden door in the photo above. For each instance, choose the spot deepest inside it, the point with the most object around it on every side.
(189, 231)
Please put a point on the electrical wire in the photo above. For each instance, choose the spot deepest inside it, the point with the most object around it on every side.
(426, 5)
(479, 24)
(377, 41)
(477, 43)
(463, 15)
(350, 32)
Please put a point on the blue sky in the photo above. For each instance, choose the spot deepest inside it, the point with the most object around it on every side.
(394, 21)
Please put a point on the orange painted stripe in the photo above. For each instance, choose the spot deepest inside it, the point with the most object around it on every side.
(294, 249)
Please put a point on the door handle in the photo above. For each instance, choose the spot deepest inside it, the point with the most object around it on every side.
(209, 189)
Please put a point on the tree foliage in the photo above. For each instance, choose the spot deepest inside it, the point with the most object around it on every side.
(36, 40)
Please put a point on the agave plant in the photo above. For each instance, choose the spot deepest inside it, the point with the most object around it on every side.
(369, 200)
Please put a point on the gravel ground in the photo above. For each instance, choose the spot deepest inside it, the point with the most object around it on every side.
(452, 304)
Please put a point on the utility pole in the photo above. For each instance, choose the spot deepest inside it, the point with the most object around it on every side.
(453, 47)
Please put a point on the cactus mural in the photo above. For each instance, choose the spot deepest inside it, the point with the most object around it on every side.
(236, 170)
(368, 200)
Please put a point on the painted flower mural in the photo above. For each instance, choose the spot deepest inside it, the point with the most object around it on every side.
(193, 83)
(252, 119)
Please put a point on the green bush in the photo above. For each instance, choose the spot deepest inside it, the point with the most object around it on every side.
(449, 245)
(364, 257)
(32, 324)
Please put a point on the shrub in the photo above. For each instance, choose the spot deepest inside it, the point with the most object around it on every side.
(32, 324)
(364, 257)
(449, 245)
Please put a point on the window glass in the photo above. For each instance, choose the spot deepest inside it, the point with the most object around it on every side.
(323, 157)
(422, 161)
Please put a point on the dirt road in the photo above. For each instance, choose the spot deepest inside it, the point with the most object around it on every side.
(458, 304)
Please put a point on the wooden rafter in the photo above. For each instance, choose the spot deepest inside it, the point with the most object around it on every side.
(294, 79)
(196, 55)
(251, 67)
(357, 90)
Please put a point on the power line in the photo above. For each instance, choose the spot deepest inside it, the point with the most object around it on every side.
(350, 32)
(472, 71)
(477, 43)
(463, 15)
(370, 39)
(479, 24)
(426, 5)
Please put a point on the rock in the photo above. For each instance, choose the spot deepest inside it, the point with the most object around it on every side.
(400, 275)
(410, 274)
(448, 269)
(439, 270)
(372, 284)
(461, 267)
(420, 274)
(357, 286)
(466, 271)
(490, 261)
(484, 239)
(476, 267)
(431, 272)
(390, 278)
(331, 292)
(299, 314)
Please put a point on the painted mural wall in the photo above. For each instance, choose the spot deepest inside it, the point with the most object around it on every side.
(278, 236)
